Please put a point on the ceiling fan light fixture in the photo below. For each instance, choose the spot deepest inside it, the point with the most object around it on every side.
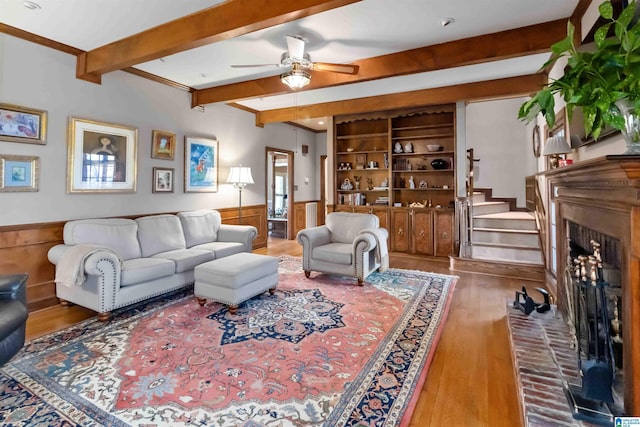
(31, 5)
(296, 78)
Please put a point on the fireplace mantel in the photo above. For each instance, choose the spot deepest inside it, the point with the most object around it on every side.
(603, 194)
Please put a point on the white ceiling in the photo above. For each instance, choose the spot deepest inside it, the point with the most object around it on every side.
(361, 30)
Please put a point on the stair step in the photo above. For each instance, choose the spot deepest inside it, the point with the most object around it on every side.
(478, 197)
(518, 222)
(486, 208)
(526, 238)
(506, 253)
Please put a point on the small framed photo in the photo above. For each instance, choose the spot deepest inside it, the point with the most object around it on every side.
(361, 161)
(200, 165)
(19, 173)
(163, 145)
(163, 180)
(22, 124)
(101, 158)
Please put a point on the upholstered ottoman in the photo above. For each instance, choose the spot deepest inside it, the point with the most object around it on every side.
(235, 278)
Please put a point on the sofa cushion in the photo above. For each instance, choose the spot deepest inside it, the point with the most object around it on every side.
(335, 253)
(186, 259)
(200, 226)
(118, 234)
(345, 226)
(140, 270)
(222, 249)
(159, 233)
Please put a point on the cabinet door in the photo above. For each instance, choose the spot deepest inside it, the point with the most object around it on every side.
(443, 229)
(400, 233)
(422, 227)
(383, 215)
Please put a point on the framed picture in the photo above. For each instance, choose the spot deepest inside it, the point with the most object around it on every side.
(101, 157)
(361, 161)
(200, 165)
(162, 180)
(163, 145)
(22, 124)
(19, 173)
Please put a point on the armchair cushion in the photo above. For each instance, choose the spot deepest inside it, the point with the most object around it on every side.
(335, 253)
(345, 226)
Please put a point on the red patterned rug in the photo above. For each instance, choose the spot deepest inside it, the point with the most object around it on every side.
(320, 351)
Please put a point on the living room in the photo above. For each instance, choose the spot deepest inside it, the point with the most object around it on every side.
(42, 78)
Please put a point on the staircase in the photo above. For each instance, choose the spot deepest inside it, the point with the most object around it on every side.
(502, 235)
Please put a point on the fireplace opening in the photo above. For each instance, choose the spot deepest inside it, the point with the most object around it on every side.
(593, 308)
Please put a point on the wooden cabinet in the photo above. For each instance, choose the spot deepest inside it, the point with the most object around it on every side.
(400, 166)
(422, 232)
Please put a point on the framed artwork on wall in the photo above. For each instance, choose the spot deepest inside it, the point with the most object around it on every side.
(101, 157)
(22, 124)
(163, 180)
(163, 145)
(19, 173)
(200, 165)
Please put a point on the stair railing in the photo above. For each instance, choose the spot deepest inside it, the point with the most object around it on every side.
(464, 207)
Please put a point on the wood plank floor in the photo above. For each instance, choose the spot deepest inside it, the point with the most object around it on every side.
(471, 380)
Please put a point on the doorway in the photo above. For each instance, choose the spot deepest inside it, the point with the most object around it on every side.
(279, 193)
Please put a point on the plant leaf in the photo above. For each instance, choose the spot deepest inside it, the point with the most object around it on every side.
(606, 10)
(601, 35)
(627, 14)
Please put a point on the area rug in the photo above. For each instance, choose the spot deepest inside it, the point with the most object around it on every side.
(319, 352)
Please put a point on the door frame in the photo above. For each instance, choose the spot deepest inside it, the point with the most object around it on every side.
(290, 195)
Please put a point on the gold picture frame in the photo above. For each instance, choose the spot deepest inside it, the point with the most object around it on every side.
(163, 145)
(101, 157)
(19, 173)
(22, 124)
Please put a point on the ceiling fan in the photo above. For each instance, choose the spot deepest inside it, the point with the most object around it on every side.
(298, 62)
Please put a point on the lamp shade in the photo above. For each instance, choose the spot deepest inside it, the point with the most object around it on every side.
(556, 145)
(240, 176)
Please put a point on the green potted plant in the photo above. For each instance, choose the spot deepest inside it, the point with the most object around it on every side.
(604, 82)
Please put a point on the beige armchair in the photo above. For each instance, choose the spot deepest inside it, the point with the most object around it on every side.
(350, 244)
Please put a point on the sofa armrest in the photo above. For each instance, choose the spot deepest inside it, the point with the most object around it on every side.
(244, 234)
(363, 242)
(312, 237)
(100, 262)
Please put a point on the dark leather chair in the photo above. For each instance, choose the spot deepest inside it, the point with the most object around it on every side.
(13, 314)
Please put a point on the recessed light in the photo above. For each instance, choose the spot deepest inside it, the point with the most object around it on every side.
(446, 21)
(31, 5)
(320, 122)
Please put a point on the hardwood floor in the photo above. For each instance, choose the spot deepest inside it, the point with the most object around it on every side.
(471, 380)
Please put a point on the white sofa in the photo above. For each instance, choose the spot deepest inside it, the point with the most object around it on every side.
(122, 261)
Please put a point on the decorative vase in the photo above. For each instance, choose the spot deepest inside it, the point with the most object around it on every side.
(631, 130)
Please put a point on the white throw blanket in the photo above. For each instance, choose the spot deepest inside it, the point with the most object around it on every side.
(382, 253)
(70, 268)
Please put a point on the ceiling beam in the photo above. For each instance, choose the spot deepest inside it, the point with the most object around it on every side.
(221, 22)
(500, 88)
(475, 50)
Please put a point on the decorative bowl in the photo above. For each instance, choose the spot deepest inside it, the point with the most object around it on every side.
(349, 149)
(433, 147)
(439, 164)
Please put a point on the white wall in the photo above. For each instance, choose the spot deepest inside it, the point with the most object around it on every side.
(38, 77)
(502, 142)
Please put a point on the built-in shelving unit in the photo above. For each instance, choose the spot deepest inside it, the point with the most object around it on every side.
(384, 165)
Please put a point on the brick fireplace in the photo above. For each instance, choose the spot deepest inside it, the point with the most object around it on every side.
(602, 196)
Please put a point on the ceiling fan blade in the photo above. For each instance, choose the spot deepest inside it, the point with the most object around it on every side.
(336, 68)
(295, 47)
(256, 65)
